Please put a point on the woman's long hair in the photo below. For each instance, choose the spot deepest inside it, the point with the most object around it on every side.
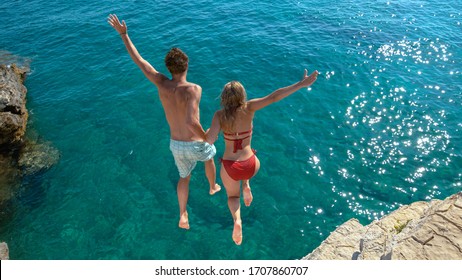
(233, 98)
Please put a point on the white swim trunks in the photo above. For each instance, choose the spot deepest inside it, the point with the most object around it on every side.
(187, 154)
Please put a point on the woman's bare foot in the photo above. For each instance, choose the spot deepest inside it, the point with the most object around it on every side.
(237, 232)
(248, 197)
(184, 222)
(215, 189)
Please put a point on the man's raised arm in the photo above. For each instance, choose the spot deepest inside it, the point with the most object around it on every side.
(150, 72)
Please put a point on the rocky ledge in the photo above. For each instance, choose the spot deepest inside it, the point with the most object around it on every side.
(13, 113)
(20, 156)
(419, 231)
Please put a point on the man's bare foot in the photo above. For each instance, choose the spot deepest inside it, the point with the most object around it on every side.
(248, 197)
(184, 222)
(237, 232)
(215, 189)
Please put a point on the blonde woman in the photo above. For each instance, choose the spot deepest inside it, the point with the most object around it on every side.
(239, 162)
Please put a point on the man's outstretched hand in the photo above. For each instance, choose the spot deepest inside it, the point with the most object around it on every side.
(115, 23)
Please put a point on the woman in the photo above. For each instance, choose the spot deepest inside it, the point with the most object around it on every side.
(239, 162)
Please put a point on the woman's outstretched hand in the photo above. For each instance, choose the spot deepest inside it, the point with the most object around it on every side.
(115, 23)
(309, 80)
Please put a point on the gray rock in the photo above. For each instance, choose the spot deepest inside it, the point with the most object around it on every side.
(420, 231)
(351, 233)
(4, 252)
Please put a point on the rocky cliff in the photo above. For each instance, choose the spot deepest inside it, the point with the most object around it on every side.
(419, 231)
(13, 112)
(20, 156)
(13, 120)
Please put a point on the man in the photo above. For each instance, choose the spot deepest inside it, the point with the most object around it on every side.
(180, 100)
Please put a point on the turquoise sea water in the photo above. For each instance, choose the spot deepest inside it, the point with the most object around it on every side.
(380, 128)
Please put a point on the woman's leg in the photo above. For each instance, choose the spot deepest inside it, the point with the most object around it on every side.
(247, 192)
(233, 190)
(248, 197)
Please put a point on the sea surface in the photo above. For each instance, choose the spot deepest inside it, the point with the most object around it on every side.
(380, 128)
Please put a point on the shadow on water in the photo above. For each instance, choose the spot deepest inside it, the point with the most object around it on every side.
(22, 177)
(9, 182)
(26, 192)
(32, 191)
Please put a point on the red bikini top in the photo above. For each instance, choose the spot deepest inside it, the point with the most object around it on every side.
(238, 141)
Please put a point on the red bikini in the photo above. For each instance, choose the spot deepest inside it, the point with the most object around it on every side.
(239, 170)
(238, 142)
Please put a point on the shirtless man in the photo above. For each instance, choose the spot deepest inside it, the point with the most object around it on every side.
(180, 100)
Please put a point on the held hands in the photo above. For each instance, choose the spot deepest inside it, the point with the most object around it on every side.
(115, 23)
(308, 80)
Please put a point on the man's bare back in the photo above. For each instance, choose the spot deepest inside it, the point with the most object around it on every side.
(180, 101)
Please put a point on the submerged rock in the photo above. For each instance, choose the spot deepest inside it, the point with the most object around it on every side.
(35, 157)
(419, 231)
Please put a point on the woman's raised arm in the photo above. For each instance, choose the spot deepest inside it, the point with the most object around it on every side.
(277, 95)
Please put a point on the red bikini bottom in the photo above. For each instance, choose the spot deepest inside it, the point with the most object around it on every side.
(240, 170)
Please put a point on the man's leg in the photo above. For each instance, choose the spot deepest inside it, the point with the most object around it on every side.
(211, 173)
(183, 193)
